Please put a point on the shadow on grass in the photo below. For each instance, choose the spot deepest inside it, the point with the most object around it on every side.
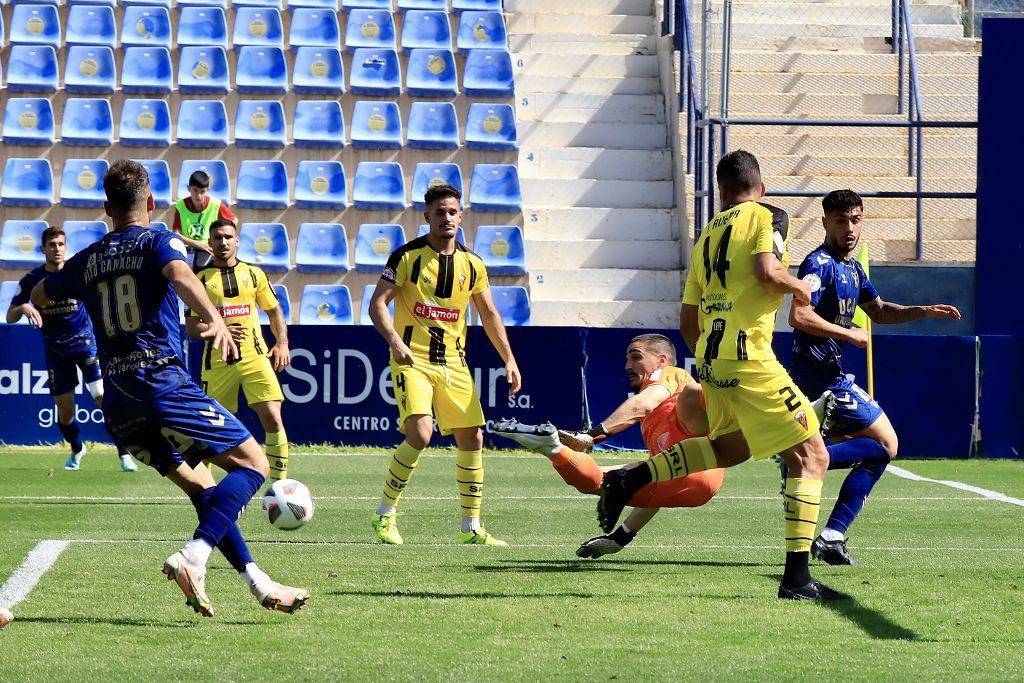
(430, 595)
(108, 621)
(607, 564)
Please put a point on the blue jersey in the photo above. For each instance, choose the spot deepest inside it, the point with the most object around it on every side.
(66, 329)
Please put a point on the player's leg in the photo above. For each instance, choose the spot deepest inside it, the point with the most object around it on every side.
(90, 367)
(691, 411)
(69, 429)
(609, 544)
(576, 468)
(263, 394)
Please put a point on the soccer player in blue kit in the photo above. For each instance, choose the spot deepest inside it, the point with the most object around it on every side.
(127, 281)
(866, 441)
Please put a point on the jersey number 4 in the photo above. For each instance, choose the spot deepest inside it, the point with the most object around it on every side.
(120, 303)
(721, 265)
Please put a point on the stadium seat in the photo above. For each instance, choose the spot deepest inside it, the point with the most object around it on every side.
(204, 25)
(481, 31)
(203, 70)
(159, 181)
(81, 183)
(222, 4)
(166, 4)
(513, 303)
(91, 25)
(325, 305)
(433, 125)
(426, 29)
(262, 185)
(8, 288)
(502, 249)
(460, 235)
(426, 5)
(426, 175)
(35, 25)
(28, 121)
(146, 70)
(145, 26)
(276, 4)
(20, 244)
(375, 72)
(158, 225)
(364, 305)
(370, 28)
(488, 73)
(321, 185)
(376, 125)
(491, 126)
(258, 26)
(348, 5)
(27, 182)
(314, 27)
(264, 245)
(431, 73)
(202, 123)
(321, 248)
(379, 185)
(495, 187)
(32, 68)
(482, 5)
(87, 122)
(260, 123)
(90, 69)
(318, 124)
(331, 5)
(374, 244)
(261, 70)
(145, 123)
(318, 70)
(220, 181)
(81, 234)
(281, 292)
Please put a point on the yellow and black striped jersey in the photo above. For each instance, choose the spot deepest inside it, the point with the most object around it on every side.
(432, 298)
(736, 312)
(236, 292)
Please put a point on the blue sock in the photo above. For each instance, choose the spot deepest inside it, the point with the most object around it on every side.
(855, 490)
(846, 454)
(71, 435)
(226, 503)
(232, 546)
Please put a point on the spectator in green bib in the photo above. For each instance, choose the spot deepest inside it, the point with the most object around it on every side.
(193, 216)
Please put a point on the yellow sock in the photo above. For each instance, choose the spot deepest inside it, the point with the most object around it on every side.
(686, 457)
(276, 448)
(803, 501)
(469, 472)
(399, 472)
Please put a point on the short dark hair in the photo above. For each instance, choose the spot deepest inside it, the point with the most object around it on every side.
(200, 179)
(126, 185)
(841, 201)
(739, 172)
(658, 343)
(442, 191)
(50, 233)
(222, 222)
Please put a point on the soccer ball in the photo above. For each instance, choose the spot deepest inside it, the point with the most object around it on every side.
(288, 504)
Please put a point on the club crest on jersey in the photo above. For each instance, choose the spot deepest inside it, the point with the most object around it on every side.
(388, 274)
(801, 417)
(462, 282)
(813, 281)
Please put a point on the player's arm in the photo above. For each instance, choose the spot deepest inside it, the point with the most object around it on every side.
(381, 317)
(886, 312)
(775, 277)
(280, 356)
(194, 327)
(806, 319)
(495, 330)
(194, 244)
(634, 409)
(21, 306)
(193, 293)
(689, 325)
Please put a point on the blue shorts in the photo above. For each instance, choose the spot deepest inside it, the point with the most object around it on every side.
(63, 368)
(854, 409)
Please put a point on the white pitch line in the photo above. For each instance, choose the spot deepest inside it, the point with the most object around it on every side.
(183, 501)
(26, 576)
(991, 495)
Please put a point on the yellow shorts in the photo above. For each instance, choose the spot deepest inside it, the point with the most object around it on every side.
(446, 392)
(255, 375)
(759, 398)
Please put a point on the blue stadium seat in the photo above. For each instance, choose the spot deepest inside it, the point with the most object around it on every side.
(145, 123)
(282, 299)
(374, 244)
(145, 26)
(348, 5)
(32, 68)
(426, 175)
(220, 181)
(20, 244)
(325, 305)
(488, 73)
(8, 288)
(260, 123)
(264, 245)
(364, 305)
(375, 72)
(482, 5)
(203, 25)
(35, 25)
(222, 4)
(495, 187)
(426, 29)
(159, 181)
(166, 4)
(90, 69)
(146, 70)
(460, 234)
(318, 70)
(313, 4)
(276, 4)
(321, 248)
(258, 26)
(81, 183)
(202, 123)
(379, 185)
(502, 249)
(27, 182)
(370, 28)
(262, 185)
(315, 27)
(376, 125)
(481, 31)
(513, 303)
(321, 185)
(261, 70)
(81, 234)
(491, 126)
(430, 5)
(431, 73)
(28, 121)
(91, 25)
(318, 124)
(158, 225)
(203, 70)
(433, 125)
(87, 122)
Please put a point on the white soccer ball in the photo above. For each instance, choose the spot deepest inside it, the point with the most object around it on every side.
(288, 504)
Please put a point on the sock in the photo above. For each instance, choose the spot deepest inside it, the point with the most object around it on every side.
(854, 492)
(623, 536)
(797, 572)
(385, 509)
(253, 574)
(470, 524)
(578, 470)
(232, 546)
(469, 473)
(846, 454)
(71, 434)
(198, 550)
(226, 503)
(829, 534)
(802, 499)
(403, 462)
(276, 448)
(686, 457)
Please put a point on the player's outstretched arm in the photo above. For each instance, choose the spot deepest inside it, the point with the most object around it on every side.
(14, 314)
(280, 356)
(806, 319)
(381, 317)
(192, 292)
(886, 312)
(495, 329)
(635, 408)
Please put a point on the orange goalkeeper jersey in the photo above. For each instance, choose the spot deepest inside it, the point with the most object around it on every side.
(661, 428)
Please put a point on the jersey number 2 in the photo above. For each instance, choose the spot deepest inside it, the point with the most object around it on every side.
(120, 305)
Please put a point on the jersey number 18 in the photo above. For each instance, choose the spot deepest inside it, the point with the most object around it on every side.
(120, 305)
